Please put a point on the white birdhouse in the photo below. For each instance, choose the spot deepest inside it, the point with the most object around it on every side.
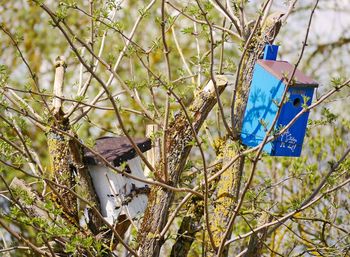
(117, 193)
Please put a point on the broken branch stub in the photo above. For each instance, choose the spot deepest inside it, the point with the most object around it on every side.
(58, 83)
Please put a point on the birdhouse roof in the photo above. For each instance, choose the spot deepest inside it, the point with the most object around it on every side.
(283, 70)
(116, 150)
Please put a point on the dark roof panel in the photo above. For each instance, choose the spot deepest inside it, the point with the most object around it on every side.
(116, 150)
(283, 70)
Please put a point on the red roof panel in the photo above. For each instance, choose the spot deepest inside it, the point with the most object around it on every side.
(283, 70)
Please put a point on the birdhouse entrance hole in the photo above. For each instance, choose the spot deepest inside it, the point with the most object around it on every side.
(297, 102)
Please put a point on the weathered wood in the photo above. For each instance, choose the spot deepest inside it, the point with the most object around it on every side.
(179, 137)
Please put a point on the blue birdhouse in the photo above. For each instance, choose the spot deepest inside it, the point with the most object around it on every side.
(268, 85)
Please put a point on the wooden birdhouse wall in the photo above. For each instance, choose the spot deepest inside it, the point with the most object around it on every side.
(261, 108)
(119, 194)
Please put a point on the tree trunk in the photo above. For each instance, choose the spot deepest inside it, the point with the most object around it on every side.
(229, 183)
(62, 168)
(179, 137)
